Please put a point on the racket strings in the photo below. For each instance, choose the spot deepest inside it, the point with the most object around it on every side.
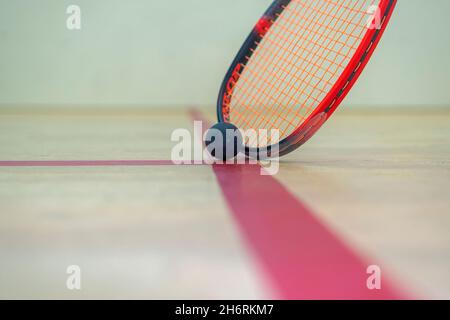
(310, 62)
(313, 65)
(297, 63)
(318, 64)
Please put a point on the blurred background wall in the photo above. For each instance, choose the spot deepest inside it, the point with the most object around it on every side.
(175, 53)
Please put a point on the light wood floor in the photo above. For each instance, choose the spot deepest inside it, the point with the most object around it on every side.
(379, 178)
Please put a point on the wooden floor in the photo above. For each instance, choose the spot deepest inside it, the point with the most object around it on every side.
(378, 179)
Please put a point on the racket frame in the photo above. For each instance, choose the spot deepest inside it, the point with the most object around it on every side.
(331, 101)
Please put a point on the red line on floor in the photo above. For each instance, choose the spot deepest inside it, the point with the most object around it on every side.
(303, 258)
(85, 163)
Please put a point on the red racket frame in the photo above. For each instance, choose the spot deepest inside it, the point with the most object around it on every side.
(332, 100)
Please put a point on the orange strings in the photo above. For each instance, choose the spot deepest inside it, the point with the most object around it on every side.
(297, 63)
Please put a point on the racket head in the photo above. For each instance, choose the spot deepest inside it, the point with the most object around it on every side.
(302, 23)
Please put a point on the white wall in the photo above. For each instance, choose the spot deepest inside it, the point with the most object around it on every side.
(153, 53)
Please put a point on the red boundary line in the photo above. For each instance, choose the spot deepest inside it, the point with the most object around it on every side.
(86, 163)
(303, 258)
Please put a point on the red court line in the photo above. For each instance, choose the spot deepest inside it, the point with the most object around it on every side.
(303, 258)
(85, 163)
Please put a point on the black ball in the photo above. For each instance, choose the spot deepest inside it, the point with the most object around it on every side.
(224, 141)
